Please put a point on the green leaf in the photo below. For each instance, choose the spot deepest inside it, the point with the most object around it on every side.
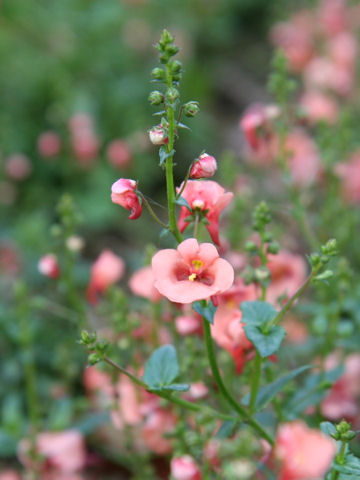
(207, 312)
(182, 125)
(162, 368)
(163, 155)
(351, 466)
(265, 343)
(328, 428)
(268, 392)
(257, 313)
(183, 202)
(228, 428)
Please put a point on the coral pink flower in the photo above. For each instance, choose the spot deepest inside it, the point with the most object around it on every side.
(184, 468)
(197, 390)
(9, 475)
(158, 423)
(119, 154)
(349, 174)
(304, 453)
(288, 273)
(158, 136)
(342, 399)
(18, 166)
(256, 125)
(49, 144)
(304, 161)
(333, 16)
(188, 325)
(228, 332)
(205, 195)
(48, 265)
(192, 272)
(84, 141)
(63, 451)
(325, 73)
(123, 192)
(141, 283)
(106, 270)
(204, 167)
(319, 106)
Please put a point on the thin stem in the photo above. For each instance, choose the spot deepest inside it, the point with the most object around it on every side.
(183, 185)
(340, 457)
(151, 211)
(224, 391)
(255, 382)
(196, 225)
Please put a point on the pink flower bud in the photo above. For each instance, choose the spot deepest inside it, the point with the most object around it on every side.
(118, 154)
(106, 270)
(18, 166)
(48, 266)
(49, 144)
(158, 135)
(185, 468)
(123, 192)
(204, 167)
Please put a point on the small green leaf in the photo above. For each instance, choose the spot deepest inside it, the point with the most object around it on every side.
(351, 466)
(265, 343)
(184, 203)
(257, 313)
(328, 428)
(268, 392)
(163, 155)
(161, 112)
(182, 125)
(162, 368)
(207, 312)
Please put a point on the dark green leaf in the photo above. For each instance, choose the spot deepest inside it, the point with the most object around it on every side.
(183, 202)
(265, 343)
(257, 313)
(207, 312)
(327, 428)
(268, 392)
(351, 466)
(227, 429)
(162, 368)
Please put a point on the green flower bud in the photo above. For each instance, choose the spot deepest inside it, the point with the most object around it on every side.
(175, 67)
(172, 95)
(342, 427)
(191, 109)
(158, 73)
(87, 338)
(273, 248)
(262, 274)
(156, 97)
(94, 358)
(171, 50)
(251, 247)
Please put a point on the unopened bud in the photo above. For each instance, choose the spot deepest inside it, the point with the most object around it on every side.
(273, 248)
(251, 247)
(156, 97)
(172, 95)
(158, 73)
(48, 266)
(262, 274)
(191, 109)
(204, 167)
(158, 136)
(175, 67)
(94, 358)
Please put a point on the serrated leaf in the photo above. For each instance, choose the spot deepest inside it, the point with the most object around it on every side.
(162, 368)
(207, 312)
(183, 203)
(327, 428)
(227, 429)
(268, 392)
(257, 312)
(265, 343)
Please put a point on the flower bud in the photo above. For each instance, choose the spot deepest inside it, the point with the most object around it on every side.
(175, 67)
(158, 135)
(172, 95)
(273, 248)
(158, 73)
(191, 109)
(48, 266)
(123, 192)
(204, 167)
(171, 50)
(184, 468)
(156, 97)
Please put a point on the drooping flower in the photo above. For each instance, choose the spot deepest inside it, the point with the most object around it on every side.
(123, 192)
(204, 167)
(192, 272)
(304, 453)
(207, 197)
(106, 271)
(49, 266)
(184, 468)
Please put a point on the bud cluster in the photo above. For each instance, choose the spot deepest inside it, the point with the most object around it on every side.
(344, 432)
(96, 347)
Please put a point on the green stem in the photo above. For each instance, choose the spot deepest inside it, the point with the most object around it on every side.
(340, 457)
(255, 382)
(178, 195)
(196, 225)
(224, 391)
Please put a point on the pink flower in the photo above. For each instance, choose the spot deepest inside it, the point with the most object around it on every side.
(48, 265)
(123, 192)
(192, 272)
(84, 140)
(256, 125)
(204, 167)
(141, 283)
(158, 423)
(304, 453)
(63, 451)
(106, 270)
(49, 144)
(349, 174)
(304, 161)
(158, 135)
(288, 273)
(18, 166)
(118, 154)
(9, 475)
(205, 195)
(184, 468)
(188, 325)
(319, 106)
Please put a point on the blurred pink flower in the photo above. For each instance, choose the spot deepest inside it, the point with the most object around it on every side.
(349, 174)
(204, 195)
(18, 166)
(49, 266)
(158, 423)
(304, 161)
(84, 141)
(49, 144)
(204, 167)
(333, 16)
(106, 270)
(141, 283)
(192, 272)
(9, 475)
(319, 106)
(288, 273)
(184, 468)
(324, 73)
(304, 453)
(188, 325)
(119, 154)
(123, 192)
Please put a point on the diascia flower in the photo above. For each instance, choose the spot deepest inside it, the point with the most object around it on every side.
(192, 272)
(123, 192)
(210, 199)
(204, 167)
(106, 271)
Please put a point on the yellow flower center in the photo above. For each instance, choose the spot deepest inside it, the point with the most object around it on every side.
(192, 277)
(197, 263)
